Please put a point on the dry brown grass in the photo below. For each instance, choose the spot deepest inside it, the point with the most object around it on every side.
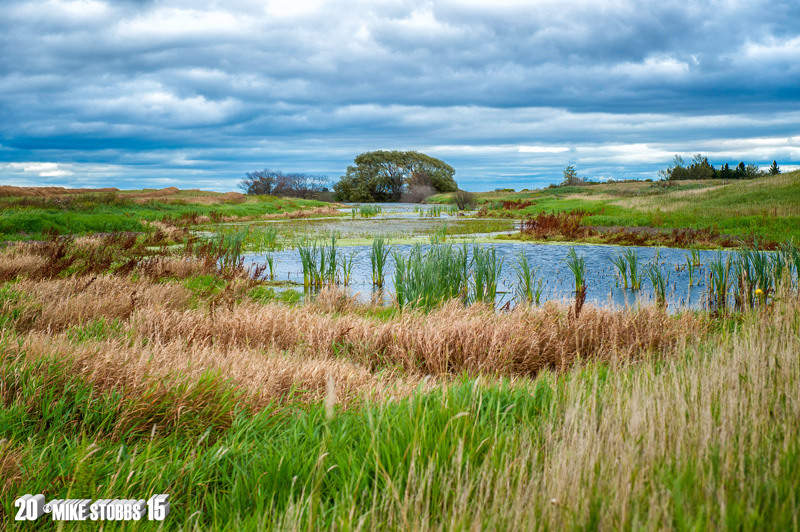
(17, 261)
(47, 192)
(446, 341)
(61, 303)
(262, 376)
(170, 231)
(304, 213)
(451, 340)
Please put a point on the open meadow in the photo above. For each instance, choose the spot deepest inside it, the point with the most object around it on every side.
(275, 363)
(712, 211)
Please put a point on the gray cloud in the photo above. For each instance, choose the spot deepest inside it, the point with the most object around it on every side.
(131, 92)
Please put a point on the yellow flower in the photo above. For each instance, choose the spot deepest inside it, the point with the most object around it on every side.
(759, 292)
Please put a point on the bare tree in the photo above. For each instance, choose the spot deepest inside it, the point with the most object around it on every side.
(277, 183)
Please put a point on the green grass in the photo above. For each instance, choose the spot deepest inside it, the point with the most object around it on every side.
(32, 218)
(427, 459)
(768, 207)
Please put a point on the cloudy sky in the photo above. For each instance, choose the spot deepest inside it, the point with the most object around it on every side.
(194, 93)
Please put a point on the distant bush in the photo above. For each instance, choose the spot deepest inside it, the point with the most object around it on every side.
(700, 168)
(465, 200)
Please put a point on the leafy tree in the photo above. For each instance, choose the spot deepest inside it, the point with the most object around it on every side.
(675, 170)
(774, 169)
(388, 175)
(751, 171)
(571, 177)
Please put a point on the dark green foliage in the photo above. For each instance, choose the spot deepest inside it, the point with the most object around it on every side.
(702, 169)
(387, 175)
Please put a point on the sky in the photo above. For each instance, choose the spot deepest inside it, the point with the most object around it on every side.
(195, 93)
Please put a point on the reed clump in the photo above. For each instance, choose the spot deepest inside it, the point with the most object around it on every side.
(529, 285)
(378, 259)
(577, 266)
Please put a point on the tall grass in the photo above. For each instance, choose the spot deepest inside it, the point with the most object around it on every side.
(346, 262)
(486, 270)
(719, 283)
(270, 259)
(659, 281)
(377, 258)
(529, 285)
(577, 265)
(621, 263)
(426, 279)
(370, 211)
(632, 258)
(434, 211)
(595, 446)
(319, 262)
(439, 235)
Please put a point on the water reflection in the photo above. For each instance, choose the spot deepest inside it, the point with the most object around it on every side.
(548, 259)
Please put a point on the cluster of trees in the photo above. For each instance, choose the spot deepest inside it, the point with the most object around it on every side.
(277, 183)
(700, 168)
(394, 176)
(571, 177)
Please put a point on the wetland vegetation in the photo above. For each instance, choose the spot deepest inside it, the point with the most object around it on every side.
(483, 381)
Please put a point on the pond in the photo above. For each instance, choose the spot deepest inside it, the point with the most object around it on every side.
(603, 288)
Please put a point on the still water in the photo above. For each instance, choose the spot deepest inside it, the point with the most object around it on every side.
(603, 288)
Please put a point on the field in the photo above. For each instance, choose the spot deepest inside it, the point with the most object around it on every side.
(766, 208)
(32, 214)
(155, 361)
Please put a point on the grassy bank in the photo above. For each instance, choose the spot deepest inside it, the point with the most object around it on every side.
(765, 208)
(32, 217)
(177, 374)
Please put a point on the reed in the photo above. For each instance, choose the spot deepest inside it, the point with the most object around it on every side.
(228, 249)
(426, 279)
(621, 264)
(577, 266)
(319, 261)
(659, 282)
(632, 258)
(719, 283)
(439, 235)
(690, 269)
(791, 253)
(264, 239)
(346, 262)
(377, 258)
(271, 264)
(528, 285)
(694, 255)
(486, 270)
(370, 211)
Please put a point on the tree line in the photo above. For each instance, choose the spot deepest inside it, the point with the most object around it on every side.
(278, 183)
(700, 168)
(376, 176)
